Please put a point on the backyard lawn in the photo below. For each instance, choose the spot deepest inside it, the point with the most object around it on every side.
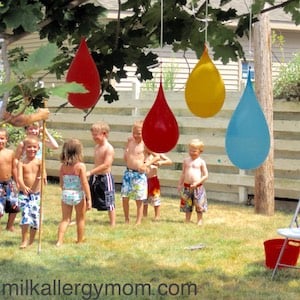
(150, 261)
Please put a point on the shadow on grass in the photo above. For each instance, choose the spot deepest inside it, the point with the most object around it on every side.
(80, 276)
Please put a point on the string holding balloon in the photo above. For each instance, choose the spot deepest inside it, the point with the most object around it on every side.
(160, 130)
(83, 70)
(205, 89)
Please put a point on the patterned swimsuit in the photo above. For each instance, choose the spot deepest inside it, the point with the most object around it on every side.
(72, 193)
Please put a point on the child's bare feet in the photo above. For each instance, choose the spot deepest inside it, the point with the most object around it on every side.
(199, 223)
(23, 245)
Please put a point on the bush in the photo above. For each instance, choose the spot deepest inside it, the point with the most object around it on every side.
(287, 85)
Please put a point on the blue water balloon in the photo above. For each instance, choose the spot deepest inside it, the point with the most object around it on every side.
(248, 137)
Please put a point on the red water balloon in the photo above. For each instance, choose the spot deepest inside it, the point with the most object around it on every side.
(160, 129)
(83, 70)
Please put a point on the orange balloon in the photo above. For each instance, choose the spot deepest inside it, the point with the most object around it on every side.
(84, 70)
(205, 90)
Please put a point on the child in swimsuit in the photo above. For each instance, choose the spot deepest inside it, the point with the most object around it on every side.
(30, 174)
(134, 182)
(101, 180)
(75, 189)
(190, 185)
(154, 198)
(8, 176)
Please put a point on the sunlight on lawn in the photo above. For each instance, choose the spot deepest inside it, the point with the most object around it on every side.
(153, 255)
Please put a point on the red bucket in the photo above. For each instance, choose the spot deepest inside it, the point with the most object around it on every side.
(272, 250)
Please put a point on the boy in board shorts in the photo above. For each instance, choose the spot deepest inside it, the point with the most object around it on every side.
(190, 185)
(101, 180)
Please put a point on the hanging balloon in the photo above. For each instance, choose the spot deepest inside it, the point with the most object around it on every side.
(248, 137)
(83, 70)
(160, 129)
(205, 90)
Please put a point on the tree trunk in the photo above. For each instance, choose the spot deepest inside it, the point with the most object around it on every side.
(264, 175)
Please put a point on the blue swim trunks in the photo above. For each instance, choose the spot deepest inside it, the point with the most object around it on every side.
(134, 185)
(30, 209)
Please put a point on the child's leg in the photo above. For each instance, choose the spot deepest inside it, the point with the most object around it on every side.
(112, 217)
(11, 221)
(32, 234)
(156, 212)
(80, 220)
(145, 209)
(139, 211)
(24, 230)
(66, 218)
(125, 202)
(199, 218)
(188, 216)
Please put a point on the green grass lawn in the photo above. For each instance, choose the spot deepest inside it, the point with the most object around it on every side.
(149, 261)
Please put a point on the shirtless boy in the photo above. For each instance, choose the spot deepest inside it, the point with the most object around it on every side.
(101, 180)
(29, 179)
(134, 183)
(8, 174)
(190, 185)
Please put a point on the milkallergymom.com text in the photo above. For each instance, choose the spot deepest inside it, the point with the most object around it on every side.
(87, 291)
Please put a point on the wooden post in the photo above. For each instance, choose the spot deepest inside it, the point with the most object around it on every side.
(43, 179)
(264, 175)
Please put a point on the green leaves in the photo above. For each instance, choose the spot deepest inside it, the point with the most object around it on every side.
(23, 14)
(116, 44)
(25, 86)
(39, 60)
(63, 90)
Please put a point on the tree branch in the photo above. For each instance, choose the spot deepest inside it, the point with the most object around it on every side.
(13, 38)
(283, 4)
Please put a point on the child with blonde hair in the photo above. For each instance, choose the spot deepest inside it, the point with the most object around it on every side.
(35, 130)
(30, 174)
(75, 189)
(134, 182)
(190, 186)
(101, 180)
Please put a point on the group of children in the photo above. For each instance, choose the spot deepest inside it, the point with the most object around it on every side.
(84, 189)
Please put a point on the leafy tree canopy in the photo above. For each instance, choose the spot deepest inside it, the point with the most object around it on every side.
(125, 41)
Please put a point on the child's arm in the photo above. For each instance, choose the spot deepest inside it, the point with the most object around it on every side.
(130, 139)
(204, 172)
(14, 169)
(22, 187)
(181, 178)
(85, 185)
(61, 176)
(19, 150)
(50, 141)
(164, 160)
(21, 120)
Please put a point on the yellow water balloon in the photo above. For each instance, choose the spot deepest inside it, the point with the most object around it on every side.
(205, 89)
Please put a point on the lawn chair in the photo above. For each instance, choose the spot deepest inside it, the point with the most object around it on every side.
(290, 233)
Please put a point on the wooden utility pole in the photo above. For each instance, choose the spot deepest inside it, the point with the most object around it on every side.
(264, 175)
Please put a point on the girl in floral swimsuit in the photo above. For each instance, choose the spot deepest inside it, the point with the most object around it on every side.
(75, 189)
